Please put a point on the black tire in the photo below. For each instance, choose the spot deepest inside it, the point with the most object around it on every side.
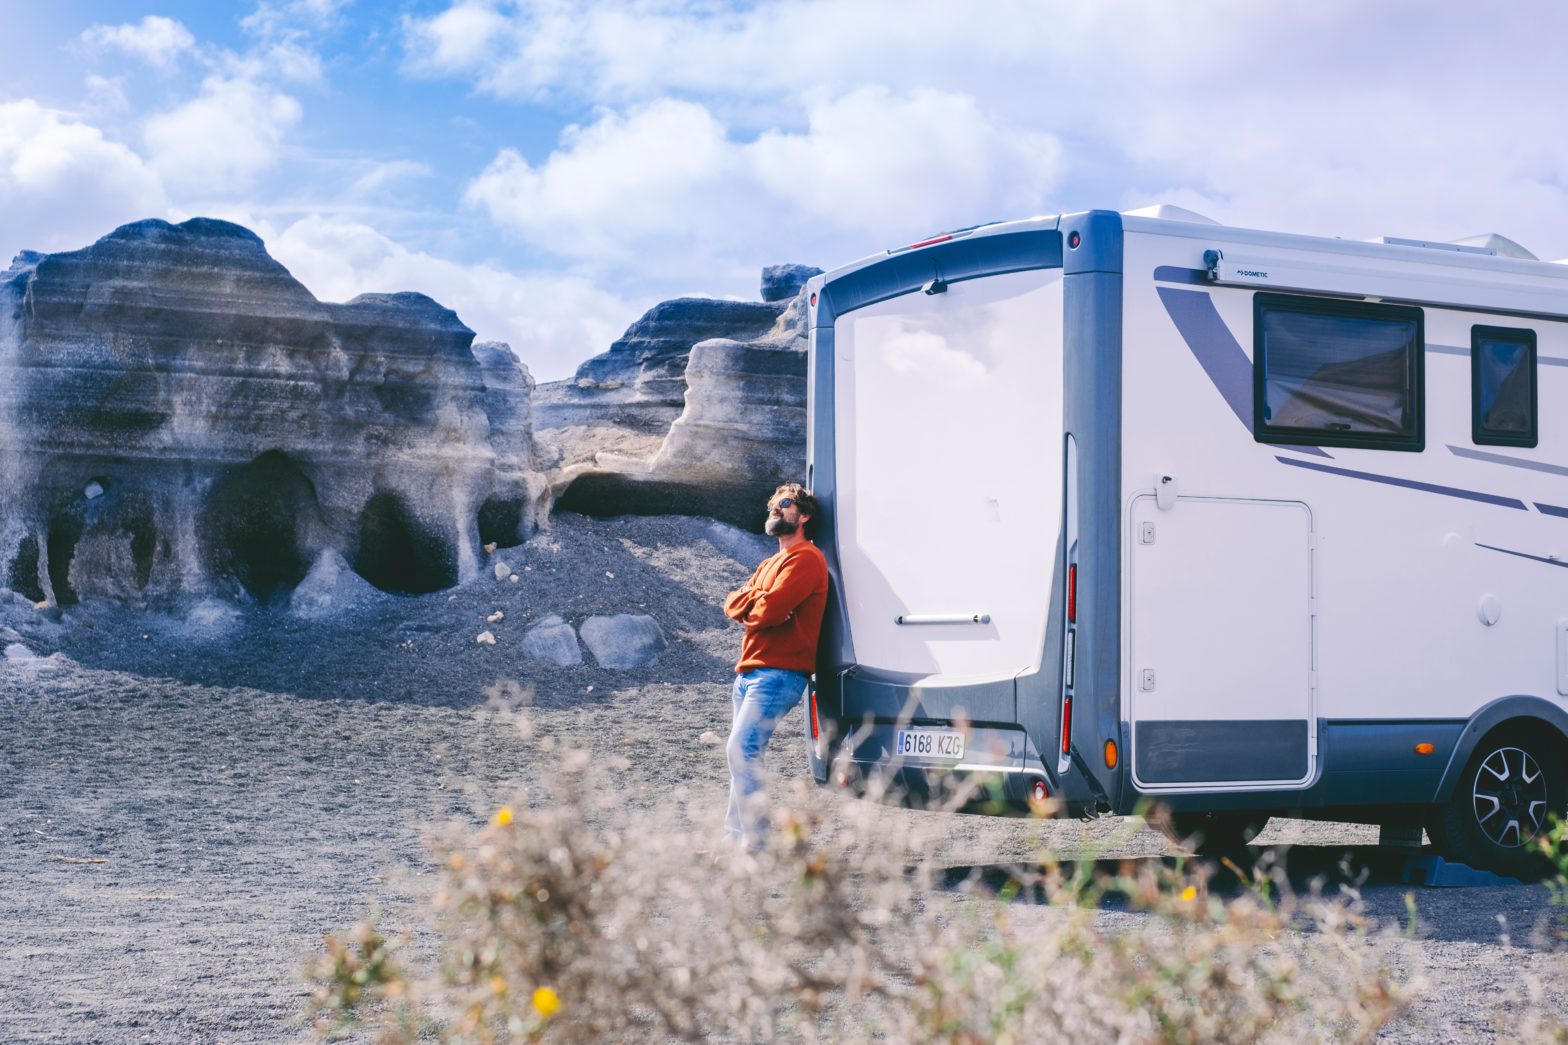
(1214, 834)
(1505, 799)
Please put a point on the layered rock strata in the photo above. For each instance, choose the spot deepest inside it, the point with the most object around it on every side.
(739, 431)
(180, 415)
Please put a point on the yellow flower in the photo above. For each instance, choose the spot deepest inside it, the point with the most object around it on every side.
(503, 816)
(545, 1002)
(1189, 894)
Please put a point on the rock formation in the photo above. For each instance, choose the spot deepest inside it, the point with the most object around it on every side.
(623, 447)
(179, 415)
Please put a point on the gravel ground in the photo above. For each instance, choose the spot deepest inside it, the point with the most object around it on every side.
(187, 802)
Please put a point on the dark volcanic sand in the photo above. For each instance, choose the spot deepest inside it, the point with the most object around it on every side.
(248, 787)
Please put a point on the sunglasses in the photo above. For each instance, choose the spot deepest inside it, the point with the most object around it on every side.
(782, 503)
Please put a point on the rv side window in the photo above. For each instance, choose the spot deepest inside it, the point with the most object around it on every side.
(1502, 386)
(1337, 373)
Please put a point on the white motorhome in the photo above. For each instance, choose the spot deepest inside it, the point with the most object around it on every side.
(1127, 508)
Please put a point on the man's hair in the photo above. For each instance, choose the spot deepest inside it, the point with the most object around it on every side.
(805, 501)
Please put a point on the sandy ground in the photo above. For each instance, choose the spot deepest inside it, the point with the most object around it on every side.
(187, 804)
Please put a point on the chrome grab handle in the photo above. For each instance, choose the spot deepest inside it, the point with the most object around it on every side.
(942, 618)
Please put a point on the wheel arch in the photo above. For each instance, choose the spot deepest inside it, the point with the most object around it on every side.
(1502, 712)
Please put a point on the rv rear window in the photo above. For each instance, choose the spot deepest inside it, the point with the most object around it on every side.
(1502, 386)
(1337, 373)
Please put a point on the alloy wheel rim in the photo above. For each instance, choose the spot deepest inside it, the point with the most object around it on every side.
(1509, 797)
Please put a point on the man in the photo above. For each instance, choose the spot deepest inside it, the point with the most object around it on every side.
(781, 607)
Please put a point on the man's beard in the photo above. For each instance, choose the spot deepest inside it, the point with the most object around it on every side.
(780, 527)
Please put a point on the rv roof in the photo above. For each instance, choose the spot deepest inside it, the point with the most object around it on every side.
(1170, 212)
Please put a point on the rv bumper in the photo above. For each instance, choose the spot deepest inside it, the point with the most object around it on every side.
(1000, 772)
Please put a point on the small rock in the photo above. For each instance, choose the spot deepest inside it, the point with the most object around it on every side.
(711, 738)
(484, 638)
(610, 575)
(513, 578)
(490, 548)
(17, 651)
(501, 569)
(94, 490)
(553, 640)
(494, 617)
(624, 640)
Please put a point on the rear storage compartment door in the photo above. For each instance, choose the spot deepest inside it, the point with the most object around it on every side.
(1221, 672)
(949, 493)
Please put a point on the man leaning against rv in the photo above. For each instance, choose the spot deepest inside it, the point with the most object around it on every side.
(781, 606)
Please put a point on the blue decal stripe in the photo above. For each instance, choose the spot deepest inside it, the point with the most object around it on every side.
(1211, 343)
(1409, 484)
(1512, 462)
(1174, 274)
(1455, 350)
(1216, 350)
(1522, 555)
(1551, 509)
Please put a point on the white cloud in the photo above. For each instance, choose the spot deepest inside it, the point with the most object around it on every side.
(64, 183)
(617, 184)
(1332, 117)
(106, 94)
(666, 180)
(382, 175)
(156, 40)
(286, 60)
(272, 18)
(222, 139)
(458, 40)
(552, 321)
(875, 161)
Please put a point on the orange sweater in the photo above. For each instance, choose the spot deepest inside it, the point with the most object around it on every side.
(782, 607)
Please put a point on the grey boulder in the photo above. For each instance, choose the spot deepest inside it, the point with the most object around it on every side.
(624, 640)
(553, 640)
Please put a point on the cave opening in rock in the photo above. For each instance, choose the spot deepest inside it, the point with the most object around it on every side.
(398, 553)
(24, 569)
(60, 542)
(501, 521)
(603, 495)
(251, 526)
(144, 546)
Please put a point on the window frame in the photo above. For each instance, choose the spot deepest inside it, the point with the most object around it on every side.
(1264, 432)
(1479, 434)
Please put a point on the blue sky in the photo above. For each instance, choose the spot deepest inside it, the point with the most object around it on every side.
(551, 169)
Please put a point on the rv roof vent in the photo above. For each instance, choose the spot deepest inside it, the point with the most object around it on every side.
(1170, 212)
(1502, 246)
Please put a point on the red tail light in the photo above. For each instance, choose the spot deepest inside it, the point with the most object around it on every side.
(814, 727)
(1039, 792)
(1067, 723)
(1072, 593)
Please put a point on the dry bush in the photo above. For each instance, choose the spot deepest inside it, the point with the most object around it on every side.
(570, 919)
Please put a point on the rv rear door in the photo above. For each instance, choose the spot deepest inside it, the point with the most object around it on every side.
(948, 421)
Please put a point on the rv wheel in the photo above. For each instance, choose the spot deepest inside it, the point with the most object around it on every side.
(1511, 788)
(1214, 834)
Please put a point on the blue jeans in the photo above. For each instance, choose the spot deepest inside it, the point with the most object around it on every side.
(762, 696)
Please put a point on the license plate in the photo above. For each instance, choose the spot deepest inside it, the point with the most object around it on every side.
(929, 743)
